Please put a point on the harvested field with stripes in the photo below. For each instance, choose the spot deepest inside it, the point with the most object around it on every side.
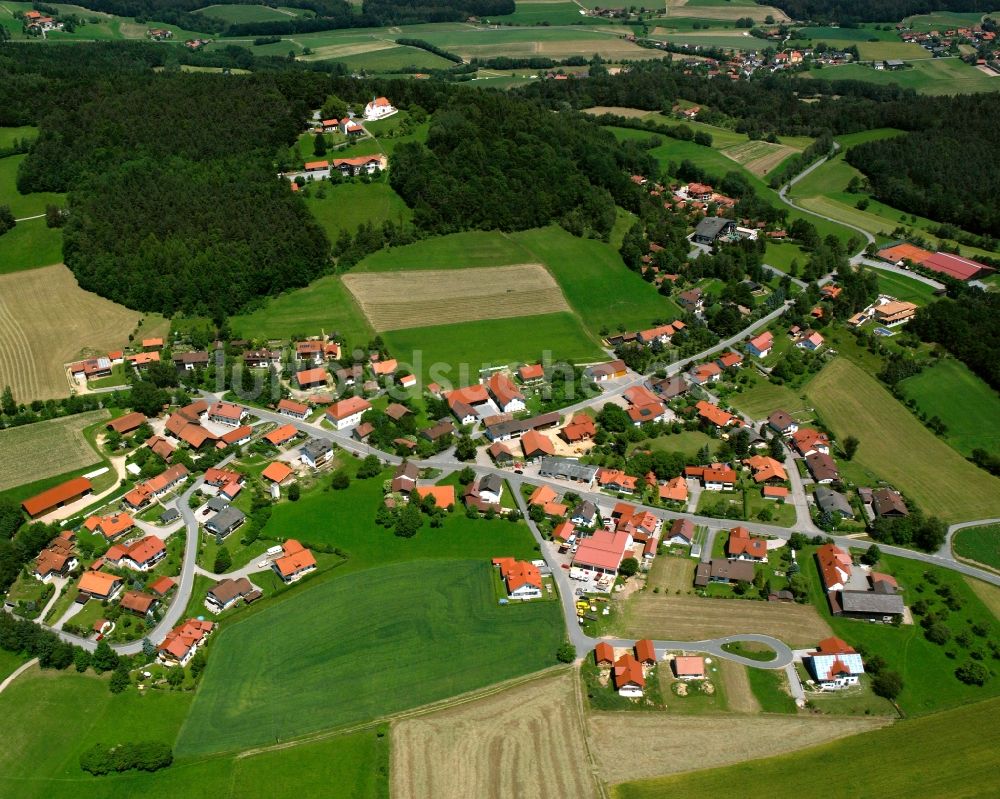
(36, 451)
(46, 321)
(526, 741)
(724, 11)
(759, 157)
(401, 300)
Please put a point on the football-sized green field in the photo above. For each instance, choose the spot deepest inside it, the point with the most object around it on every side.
(394, 59)
(237, 14)
(945, 754)
(898, 448)
(981, 544)
(963, 401)
(30, 245)
(363, 645)
(904, 288)
(51, 717)
(447, 352)
(540, 13)
(347, 205)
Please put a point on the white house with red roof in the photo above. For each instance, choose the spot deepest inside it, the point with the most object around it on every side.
(523, 579)
(603, 552)
(347, 412)
(227, 413)
(834, 665)
(379, 108)
(183, 642)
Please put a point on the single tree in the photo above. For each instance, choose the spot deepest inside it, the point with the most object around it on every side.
(887, 684)
(628, 567)
(319, 145)
(872, 555)
(294, 492)
(850, 447)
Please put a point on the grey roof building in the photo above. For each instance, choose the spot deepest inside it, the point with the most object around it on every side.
(711, 227)
(567, 469)
(222, 524)
(316, 451)
(830, 501)
(870, 604)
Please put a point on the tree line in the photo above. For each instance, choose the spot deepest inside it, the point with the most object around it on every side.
(855, 11)
(967, 327)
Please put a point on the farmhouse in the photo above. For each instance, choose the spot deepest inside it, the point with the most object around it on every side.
(956, 267)
(128, 423)
(184, 641)
(531, 373)
(501, 453)
(437, 432)
(91, 368)
(689, 668)
(227, 413)
(691, 300)
(869, 605)
(57, 497)
(379, 108)
(523, 580)
(835, 567)
(602, 372)
(189, 361)
(742, 546)
(315, 452)
(567, 469)
(508, 428)
(161, 447)
(834, 665)
(536, 445)
(98, 585)
(505, 393)
(347, 412)
(719, 570)
(603, 552)
(226, 593)
(295, 562)
(760, 346)
(580, 428)
(297, 410)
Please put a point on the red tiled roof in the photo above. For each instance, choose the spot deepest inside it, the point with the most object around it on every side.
(276, 471)
(628, 671)
(533, 442)
(443, 495)
(295, 407)
(347, 407)
(281, 434)
(57, 495)
(740, 542)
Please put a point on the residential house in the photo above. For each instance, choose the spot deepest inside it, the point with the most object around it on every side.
(580, 428)
(224, 522)
(687, 667)
(602, 372)
(833, 502)
(142, 555)
(227, 592)
(360, 164)
(227, 413)
(154, 488)
(536, 445)
(141, 360)
(681, 532)
(297, 410)
(760, 346)
(404, 479)
(603, 552)
(152, 344)
(809, 340)
(720, 570)
(567, 469)
(384, 368)
(183, 642)
(808, 441)
(522, 579)
(315, 452)
(531, 373)
(834, 665)
(57, 559)
(396, 412)
(704, 373)
(822, 468)
(660, 334)
(161, 447)
(775, 492)
(889, 503)
(379, 108)
(766, 469)
(627, 676)
(161, 586)
(729, 360)
(347, 412)
(617, 481)
(295, 562)
(674, 490)
(890, 314)
(57, 496)
(189, 361)
(490, 488)
(716, 477)
(505, 393)
(743, 546)
(670, 387)
(782, 422)
(835, 567)
(691, 300)
(281, 435)
(644, 406)
(604, 654)
(645, 653)
(584, 514)
(444, 496)
(564, 532)
(139, 603)
(715, 415)
(441, 430)
(111, 527)
(262, 359)
(98, 585)
(699, 191)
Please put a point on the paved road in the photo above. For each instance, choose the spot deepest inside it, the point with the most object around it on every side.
(945, 549)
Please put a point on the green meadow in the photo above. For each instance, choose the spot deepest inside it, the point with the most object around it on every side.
(927, 76)
(22, 205)
(904, 288)
(29, 245)
(346, 205)
(981, 544)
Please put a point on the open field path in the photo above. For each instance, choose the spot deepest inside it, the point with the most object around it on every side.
(17, 672)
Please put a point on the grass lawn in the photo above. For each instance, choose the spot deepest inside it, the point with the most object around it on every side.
(781, 255)
(904, 288)
(30, 245)
(52, 717)
(946, 753)
(542, 13)
(348, 205)
(9, 663)
(926, 469)
(770, 686)
(969, 407)
(689, 442)
(981, 544)
(7, 135)
(457, 352)
(763, 397)
(929, 683)
(324, 303)
(312, 669)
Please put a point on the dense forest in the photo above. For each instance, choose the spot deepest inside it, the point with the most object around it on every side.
(969, 327)
(873, 10)
(497, 161)
(174, 204)
(949, 173)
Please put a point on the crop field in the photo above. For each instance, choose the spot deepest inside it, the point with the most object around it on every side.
(47, 320)
(988, 594)
(621, 111)
(963, 401)
(393, 59)
(533, 13)
(394, 300)
(928, 76)
(312, 670)
(36, 451)
(904, 51)
(676, 743)
(723, 9)
(759, 157)
(445, 350)
(51, 717)
(251, 13)
(735, 685)
(343, 51)
(926, 469)
(938, 755)
(524, 741)
(347, 205)
(981, 544)
(681, 618)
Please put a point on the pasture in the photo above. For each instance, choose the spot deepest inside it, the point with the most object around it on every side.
(47, 320)
(394, 300)
(760, 397)
(723, 9)
(981, 544)
(524, 741)
(393, 59)
(936, 755)
(45, 449)
(673, 743)
(545, 13)
(313, 668)
(345, 206)
(8, 135)
(927, 76)
(897, 447)
(962, 400)
(904, 51)
(52, 717)
(681, 618)
(23, 205)
(30, 245)
(251, 13)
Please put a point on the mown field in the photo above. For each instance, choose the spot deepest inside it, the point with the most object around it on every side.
(251, 13)
(348, 205)
(47, 320)
(896, 446)
(36, 451)
(429, 633)
(524, 741)
(674, 743)
(22, 205)
(30, 245)
(927, 76)
(945, 754)
(50, 718)
(969, 407)
(904, 288)
(981, 544)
